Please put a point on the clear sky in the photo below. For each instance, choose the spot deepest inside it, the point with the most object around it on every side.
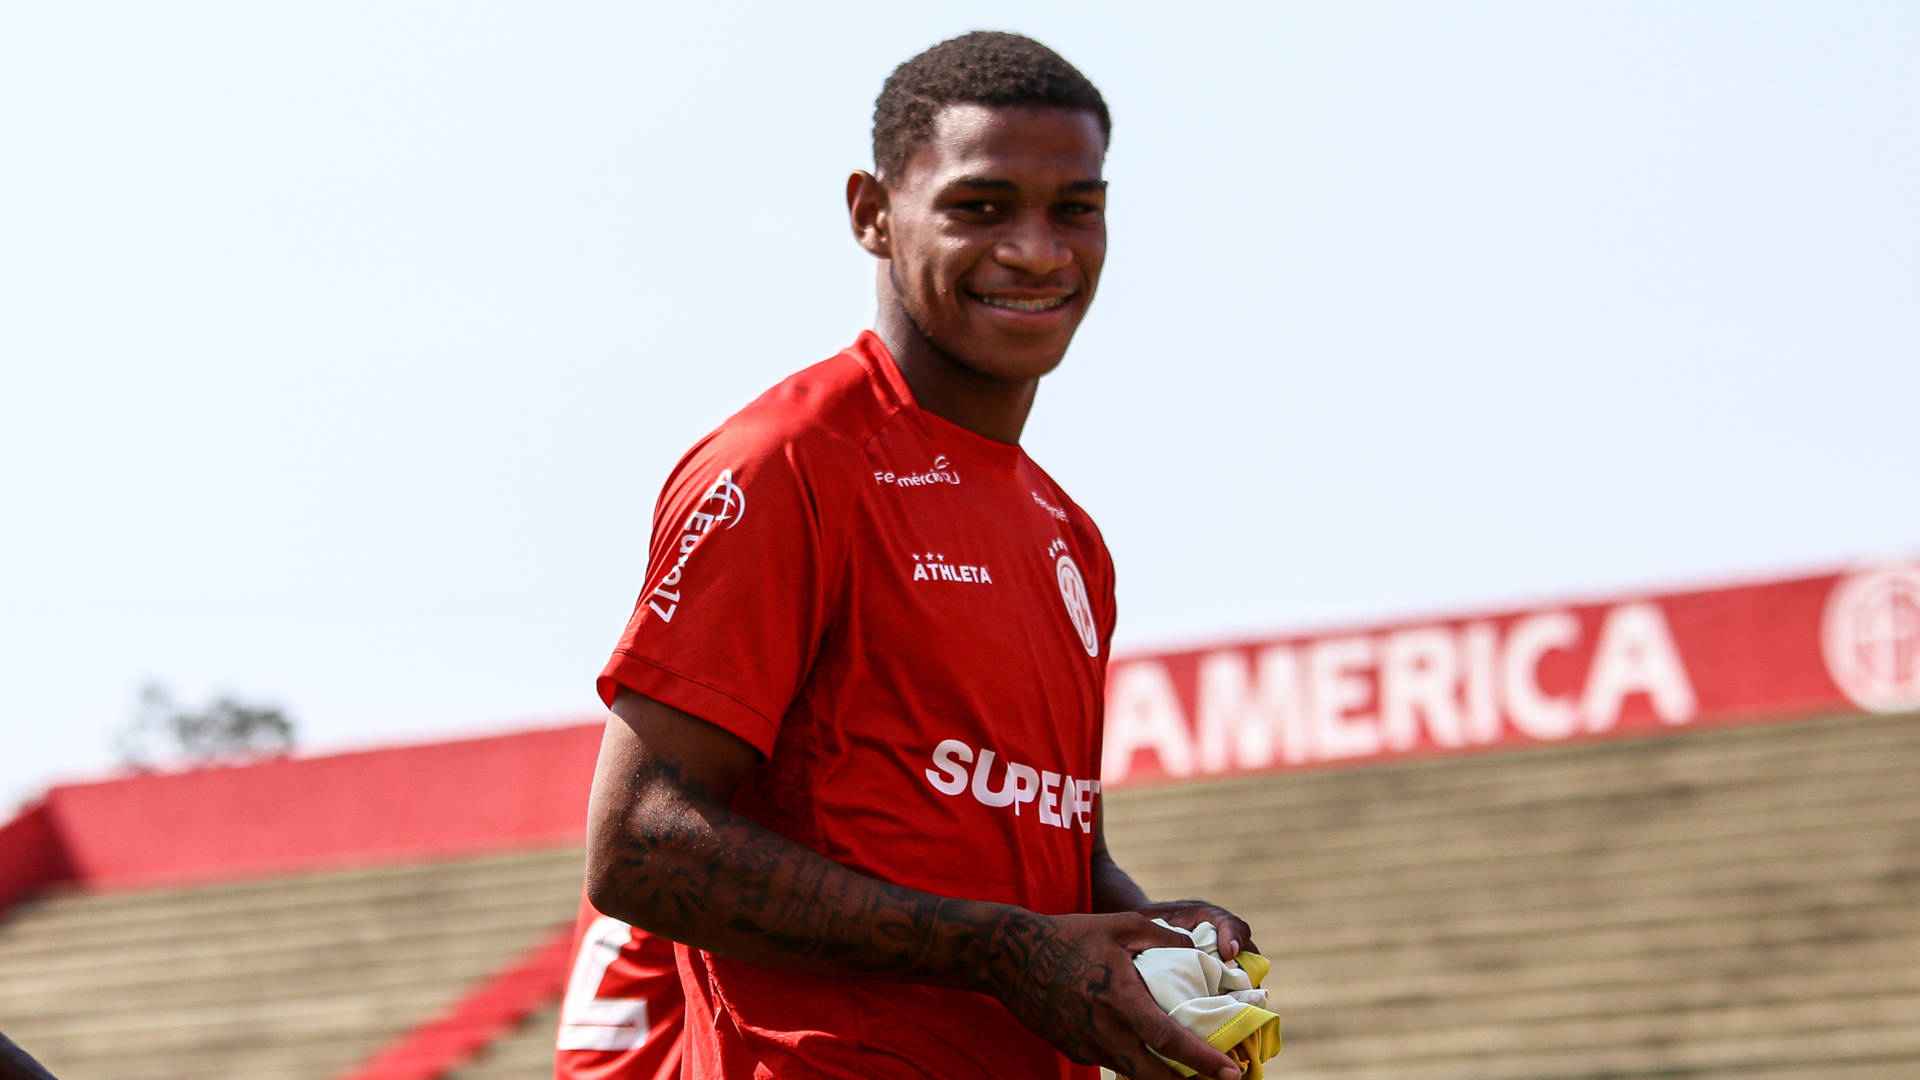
(346, 344)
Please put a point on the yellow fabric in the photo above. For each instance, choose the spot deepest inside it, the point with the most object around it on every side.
(1219, 1000)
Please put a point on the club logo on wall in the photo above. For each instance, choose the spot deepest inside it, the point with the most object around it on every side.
(1870, 635)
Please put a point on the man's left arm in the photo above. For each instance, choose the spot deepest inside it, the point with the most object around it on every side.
(1115, 890)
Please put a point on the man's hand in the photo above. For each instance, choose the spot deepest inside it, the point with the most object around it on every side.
(1232, 932)
(1071, 979)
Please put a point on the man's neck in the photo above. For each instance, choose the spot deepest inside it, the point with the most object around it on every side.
(947, 387)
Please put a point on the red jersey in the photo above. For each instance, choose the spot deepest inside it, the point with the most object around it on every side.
(910, 622)
(622, 1015)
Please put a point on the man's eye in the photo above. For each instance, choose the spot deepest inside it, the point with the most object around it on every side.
(1079, 209)
(980, 206)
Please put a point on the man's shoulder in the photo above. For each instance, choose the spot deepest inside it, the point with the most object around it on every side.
(826, 409)
(1054, 499)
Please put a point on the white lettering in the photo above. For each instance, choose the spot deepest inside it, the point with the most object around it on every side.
(1083, 803)
(948, 757)
(1337, 667)
(1020, 785)
(987, 796)
(1143, 713)
(1533, 711)
(1480, 644)
(1636, 655)
(1240, 723)
(1050, 798)
(1025, 782)
(1418, 669)
(1062, 800)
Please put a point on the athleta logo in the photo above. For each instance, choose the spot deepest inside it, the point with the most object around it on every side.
(1061, 801)
(931, 567)
(1073, 592)
(942, 472)
(724, 503)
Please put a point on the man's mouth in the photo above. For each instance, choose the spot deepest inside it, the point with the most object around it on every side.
(1030, 305)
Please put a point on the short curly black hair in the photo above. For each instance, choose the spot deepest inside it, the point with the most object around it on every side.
(985, 67)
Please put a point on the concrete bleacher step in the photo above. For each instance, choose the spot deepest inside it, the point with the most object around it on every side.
(1350, 822)
(1645, 1047)
(1414, 1017)
(1346, 826)
(1410, 792)
(525, 1053)
(1330, 983)
(1819, 745)
(1861, 1016)
(1875, 847)
(397, 982)
(241, 942)
(394, 981)
(301, 976)
(293, 896)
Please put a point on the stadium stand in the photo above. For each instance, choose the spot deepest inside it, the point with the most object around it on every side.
(1732, 903)
(1734, 893)
(298, 976)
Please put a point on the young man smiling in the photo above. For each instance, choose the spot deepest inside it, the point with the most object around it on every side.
(858, 707)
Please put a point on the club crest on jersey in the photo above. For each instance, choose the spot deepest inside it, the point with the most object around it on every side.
(1073, 592)
(933, 567)
(723, 504)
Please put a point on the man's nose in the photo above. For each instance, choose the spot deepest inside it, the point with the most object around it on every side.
(1034, 247)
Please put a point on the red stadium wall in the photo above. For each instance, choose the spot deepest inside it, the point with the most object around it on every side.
(405, 803)
(1546, 674)
(31, 854)
(1551, 673)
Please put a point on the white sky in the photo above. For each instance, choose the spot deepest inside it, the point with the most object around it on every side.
(346, 345)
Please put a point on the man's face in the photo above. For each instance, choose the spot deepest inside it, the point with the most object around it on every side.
(998, 232)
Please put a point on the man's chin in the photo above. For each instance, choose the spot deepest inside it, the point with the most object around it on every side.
(1013, 361)
(1014, 356)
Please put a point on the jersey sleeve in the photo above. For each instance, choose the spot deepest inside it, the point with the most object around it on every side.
(739, 587)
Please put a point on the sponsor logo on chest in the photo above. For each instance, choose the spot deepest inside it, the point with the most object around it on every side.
(1058, 799)
(934, 568)
(940, 472)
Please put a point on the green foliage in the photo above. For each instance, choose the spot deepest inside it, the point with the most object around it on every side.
(167, 734)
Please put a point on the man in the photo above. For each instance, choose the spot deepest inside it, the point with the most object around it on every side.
(857, 709)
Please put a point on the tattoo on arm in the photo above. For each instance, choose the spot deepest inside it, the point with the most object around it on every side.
(685, 866)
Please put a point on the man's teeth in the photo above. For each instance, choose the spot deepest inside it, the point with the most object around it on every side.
(1012, 304)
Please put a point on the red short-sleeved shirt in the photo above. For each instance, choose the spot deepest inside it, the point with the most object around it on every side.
(621, 1018)
(911, 622)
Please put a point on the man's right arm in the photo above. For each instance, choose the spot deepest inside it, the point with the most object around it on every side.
(665, 853)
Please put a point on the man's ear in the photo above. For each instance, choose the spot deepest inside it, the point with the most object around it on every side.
(868, 213)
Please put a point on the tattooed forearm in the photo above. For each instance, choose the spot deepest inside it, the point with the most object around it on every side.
(683, 865)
